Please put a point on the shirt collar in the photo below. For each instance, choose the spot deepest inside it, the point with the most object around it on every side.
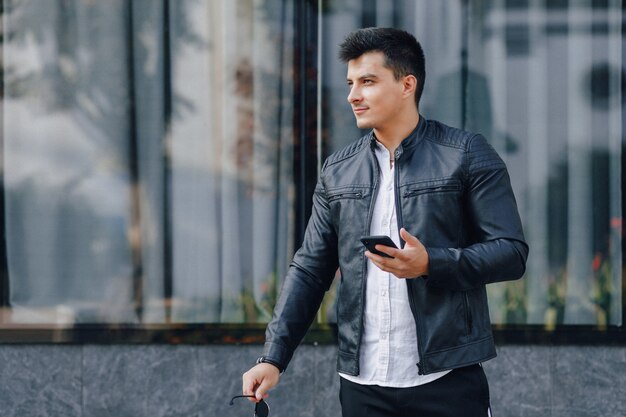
(410, 141)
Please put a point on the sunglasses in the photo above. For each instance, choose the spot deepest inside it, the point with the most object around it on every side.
(261, 409)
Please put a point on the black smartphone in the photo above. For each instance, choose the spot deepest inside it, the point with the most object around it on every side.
(371, 241)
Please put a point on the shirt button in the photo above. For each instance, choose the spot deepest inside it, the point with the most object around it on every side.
(383, 337)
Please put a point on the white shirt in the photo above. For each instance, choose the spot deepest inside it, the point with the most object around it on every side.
(389, 343)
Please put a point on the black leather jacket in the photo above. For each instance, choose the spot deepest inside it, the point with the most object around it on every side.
(453, 192)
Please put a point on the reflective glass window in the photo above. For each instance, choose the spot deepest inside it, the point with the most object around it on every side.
(543, 83)
(147, 155)
(158, 156)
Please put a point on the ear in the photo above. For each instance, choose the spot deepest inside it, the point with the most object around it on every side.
(409, 85)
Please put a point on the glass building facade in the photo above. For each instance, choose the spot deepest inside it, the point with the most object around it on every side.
(159, 156)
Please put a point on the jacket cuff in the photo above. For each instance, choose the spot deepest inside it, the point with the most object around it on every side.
(439, 266)
(277, 354)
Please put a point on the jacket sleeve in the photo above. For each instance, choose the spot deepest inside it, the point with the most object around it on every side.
(308, 278)
(498, 251)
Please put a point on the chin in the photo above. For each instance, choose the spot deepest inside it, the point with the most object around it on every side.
(363, 124)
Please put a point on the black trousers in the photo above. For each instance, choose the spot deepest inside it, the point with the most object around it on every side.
(463, 392)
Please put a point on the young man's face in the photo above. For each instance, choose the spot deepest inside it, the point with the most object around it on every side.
(376, 97)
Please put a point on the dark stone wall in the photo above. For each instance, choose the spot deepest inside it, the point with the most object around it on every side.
(198, 381)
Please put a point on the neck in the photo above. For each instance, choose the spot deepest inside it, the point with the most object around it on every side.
(394, 133)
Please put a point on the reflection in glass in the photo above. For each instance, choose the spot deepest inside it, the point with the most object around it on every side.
(147, 156)
(543, 84)
(147, 149)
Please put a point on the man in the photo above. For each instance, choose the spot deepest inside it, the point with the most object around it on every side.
(414, 327)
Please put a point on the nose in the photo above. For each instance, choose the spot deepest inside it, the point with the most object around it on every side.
(354, 96)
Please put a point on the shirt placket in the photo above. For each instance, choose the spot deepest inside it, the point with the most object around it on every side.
(384, 304)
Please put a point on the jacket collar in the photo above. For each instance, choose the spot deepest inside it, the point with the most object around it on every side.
(410, 141)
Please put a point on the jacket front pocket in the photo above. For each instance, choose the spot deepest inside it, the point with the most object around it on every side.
(433, 209)
(345, 194)
(468, 314)
(434, 188)
(348, 206)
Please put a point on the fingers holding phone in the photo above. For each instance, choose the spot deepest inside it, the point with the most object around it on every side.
(370, 243)
(409, 262)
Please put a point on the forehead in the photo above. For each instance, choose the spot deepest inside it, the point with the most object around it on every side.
(370, 63)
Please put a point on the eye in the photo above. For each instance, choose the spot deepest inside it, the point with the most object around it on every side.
(367, 81)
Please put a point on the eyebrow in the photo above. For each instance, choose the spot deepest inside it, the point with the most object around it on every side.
(369, 75)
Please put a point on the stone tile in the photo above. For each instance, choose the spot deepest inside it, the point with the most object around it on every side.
(589, 381)
(40, 380)
(573, 412)
(155, 381)
(295, 395)
(519, 381)
(198, 381)
(326, 382)
(531, 411)
(221, 369)
(309, 388)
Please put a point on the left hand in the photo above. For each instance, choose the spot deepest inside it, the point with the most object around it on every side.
(409, 262)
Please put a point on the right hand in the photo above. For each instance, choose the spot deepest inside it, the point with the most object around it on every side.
(259, 380)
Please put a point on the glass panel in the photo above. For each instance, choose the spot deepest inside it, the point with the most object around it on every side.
(147, 158)
(543, 83)
(554, 75)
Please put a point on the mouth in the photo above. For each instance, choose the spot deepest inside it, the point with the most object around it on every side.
(359, 110)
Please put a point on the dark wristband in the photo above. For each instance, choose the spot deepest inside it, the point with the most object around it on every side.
(263, 359)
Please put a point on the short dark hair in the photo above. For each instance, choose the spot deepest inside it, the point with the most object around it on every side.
(403, 53)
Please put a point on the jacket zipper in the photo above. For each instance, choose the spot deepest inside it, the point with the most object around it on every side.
(345, 195)
(420, 366)
(440, 188)
(468, 314)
